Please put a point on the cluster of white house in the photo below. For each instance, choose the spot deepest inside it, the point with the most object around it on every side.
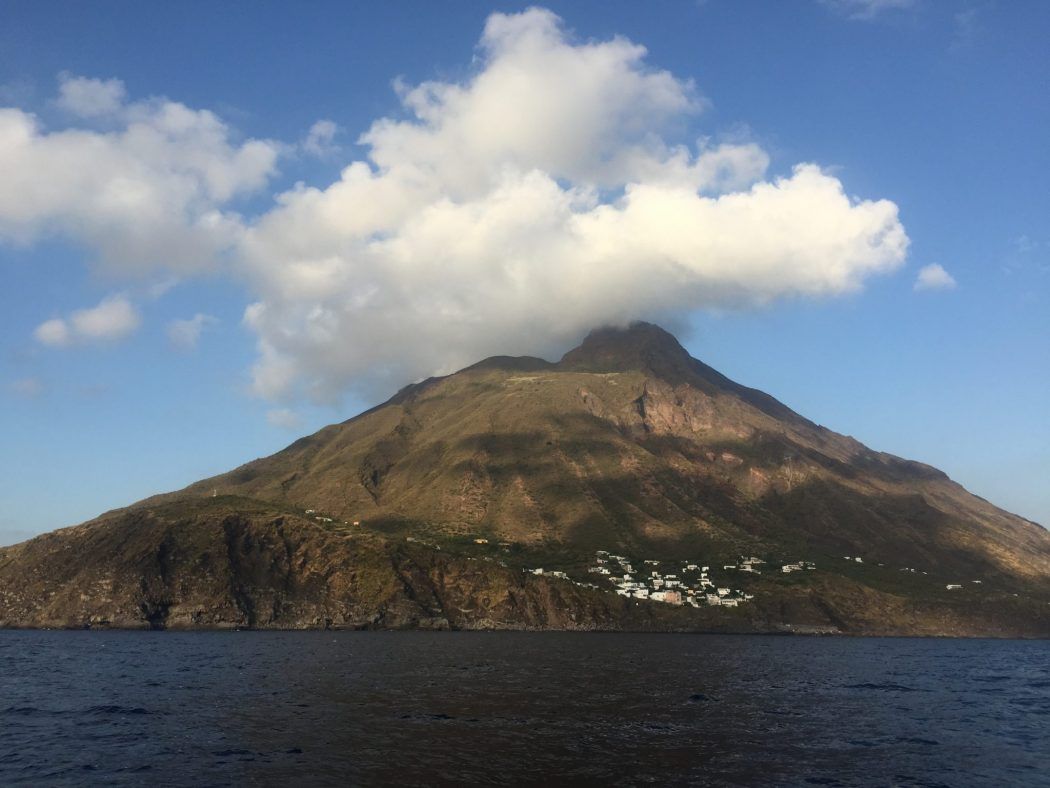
(798, 566)
(746, 564)
(689, 583)
(752, 565)
(694, 587)
(673, 583)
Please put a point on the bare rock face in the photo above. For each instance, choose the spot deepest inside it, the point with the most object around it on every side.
(459, 483)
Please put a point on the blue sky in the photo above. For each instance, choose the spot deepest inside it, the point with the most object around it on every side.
(137, 230)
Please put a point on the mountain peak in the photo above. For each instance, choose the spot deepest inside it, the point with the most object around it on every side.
(667, 461)
(640, 345)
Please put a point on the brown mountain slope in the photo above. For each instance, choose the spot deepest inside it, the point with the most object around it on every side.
(228, 562)
(629, 445)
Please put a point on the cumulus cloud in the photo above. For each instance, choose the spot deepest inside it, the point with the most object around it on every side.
(867, 9)
(552, 189)
(934, 277)
(185, 334)
(284, 418)
(512, 211)
(90, 98)
(112, 319)
(151, 192)
(320, 139)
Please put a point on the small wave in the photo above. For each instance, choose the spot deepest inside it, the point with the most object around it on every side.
(439, 717)
(116, 710)
(867, 685)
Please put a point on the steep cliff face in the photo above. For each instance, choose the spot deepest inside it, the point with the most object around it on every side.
(627, 444)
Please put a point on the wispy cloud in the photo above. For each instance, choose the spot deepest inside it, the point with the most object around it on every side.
(1023, 244)
(28, 388)
(185, 334)
(965, 28)
(867, 9)
(320, 140)
(1027, 254)
(161, 287)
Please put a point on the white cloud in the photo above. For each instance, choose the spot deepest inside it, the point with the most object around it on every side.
(551, 190)
(580, 111)
(283, 418)
(867, 9)
(185, 334)
(510, 212)
(934, 277)
(112, 319)
(29, 388)
(90, 98)
(320, 140)
(151, 193)
(54, 333)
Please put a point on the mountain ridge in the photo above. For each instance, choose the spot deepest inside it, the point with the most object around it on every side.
(627, 444)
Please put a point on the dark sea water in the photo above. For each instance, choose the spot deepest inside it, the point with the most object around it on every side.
(320, 708)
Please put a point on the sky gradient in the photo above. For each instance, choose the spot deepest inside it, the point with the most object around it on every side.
(222, 228)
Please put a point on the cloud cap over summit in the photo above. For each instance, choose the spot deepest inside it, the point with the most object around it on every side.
(546, 193)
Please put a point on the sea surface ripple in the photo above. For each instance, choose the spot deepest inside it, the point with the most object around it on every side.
(414, 708)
